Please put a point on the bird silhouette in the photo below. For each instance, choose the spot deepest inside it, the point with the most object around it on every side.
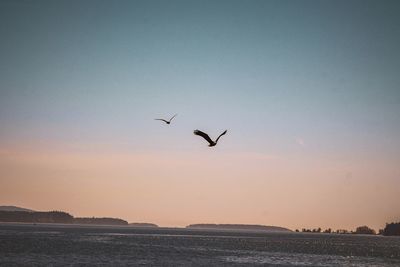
(205, 136)
(167, 122)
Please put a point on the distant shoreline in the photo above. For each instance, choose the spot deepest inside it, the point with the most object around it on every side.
(239, 227)
(21, 216)
(13, 214)
(78, 225)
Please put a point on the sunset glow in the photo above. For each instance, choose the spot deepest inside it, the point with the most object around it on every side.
(309, 93)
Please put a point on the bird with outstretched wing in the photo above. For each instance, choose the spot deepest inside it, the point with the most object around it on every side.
(167, 122)
(208, 139)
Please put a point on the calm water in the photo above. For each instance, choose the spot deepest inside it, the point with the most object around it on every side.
(56, 245)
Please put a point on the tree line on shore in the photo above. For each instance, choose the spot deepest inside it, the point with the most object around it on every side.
(55, 217)
(64, 217)
(390, 229)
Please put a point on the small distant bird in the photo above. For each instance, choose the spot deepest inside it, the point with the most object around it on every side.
(167, 122)
(205, 136)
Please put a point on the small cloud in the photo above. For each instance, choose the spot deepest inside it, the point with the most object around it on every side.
(300, 141)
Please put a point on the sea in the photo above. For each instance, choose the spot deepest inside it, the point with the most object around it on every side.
(79, 245)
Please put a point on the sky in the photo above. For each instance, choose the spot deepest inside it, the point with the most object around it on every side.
(308, 91)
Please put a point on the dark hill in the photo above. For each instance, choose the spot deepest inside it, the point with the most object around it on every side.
(35, 217)
(239, 227)
(17, 214)
(14, 208)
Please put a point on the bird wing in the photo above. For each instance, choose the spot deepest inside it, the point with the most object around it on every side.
(161, 120)
(172, 117)
(204, 135)
(216, 141)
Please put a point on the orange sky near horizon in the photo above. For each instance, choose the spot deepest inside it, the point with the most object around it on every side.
(181, 188)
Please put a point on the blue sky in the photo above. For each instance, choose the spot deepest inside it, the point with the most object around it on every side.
(307, 67)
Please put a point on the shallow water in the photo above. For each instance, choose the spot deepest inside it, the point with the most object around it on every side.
(57, 245)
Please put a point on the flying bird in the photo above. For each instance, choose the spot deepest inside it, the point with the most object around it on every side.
(167, 122)
(205, 136)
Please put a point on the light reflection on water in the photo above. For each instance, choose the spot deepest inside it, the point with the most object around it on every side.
(287, 259)
(56, 245)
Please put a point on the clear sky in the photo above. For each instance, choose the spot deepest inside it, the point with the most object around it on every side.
(308, 90)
